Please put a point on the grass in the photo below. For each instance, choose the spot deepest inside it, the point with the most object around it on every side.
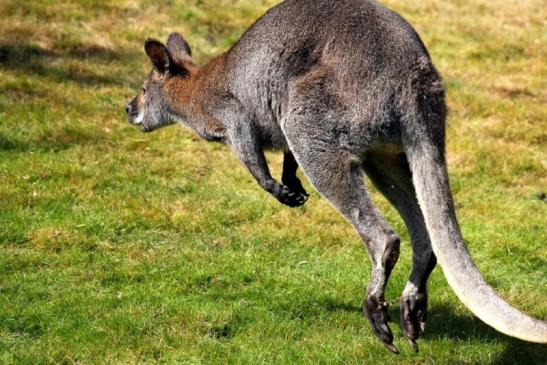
(118, 247)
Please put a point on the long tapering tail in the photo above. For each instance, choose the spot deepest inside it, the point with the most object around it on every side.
(430, 180)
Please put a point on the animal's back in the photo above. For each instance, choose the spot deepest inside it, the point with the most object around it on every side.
(367, 49)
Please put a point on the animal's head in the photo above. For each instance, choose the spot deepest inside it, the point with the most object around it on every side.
(150, 109)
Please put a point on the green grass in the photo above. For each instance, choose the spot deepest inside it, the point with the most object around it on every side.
(117, 247)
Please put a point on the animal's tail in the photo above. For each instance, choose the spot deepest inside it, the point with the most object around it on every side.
(423, 139)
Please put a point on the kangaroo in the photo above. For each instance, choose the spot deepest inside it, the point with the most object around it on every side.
(343, 88)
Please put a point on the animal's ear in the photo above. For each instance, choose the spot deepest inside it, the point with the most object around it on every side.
(158, 54)
(180, 53)
(179, 48)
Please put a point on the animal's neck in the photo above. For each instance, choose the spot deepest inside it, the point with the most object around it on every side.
(193, 98)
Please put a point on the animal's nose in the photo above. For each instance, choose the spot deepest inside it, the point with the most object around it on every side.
(128, 108)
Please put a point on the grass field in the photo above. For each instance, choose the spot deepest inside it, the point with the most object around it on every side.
(118, 247)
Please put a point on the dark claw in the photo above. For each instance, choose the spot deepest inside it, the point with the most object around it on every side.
(391, 347)
(414, 345)
(413, 317)
(376, 312)
(293, 183)
(291, 198)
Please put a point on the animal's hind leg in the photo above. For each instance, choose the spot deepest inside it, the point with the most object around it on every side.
(338, 176)
(391, 175)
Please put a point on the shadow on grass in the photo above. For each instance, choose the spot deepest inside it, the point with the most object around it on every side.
(58, 141)
(443, 323)
(54, 64)
(51, 66)
(333, 306)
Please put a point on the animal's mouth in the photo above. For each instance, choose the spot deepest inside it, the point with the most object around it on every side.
(134, 119)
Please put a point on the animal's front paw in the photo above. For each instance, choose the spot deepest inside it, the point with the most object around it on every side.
(293, 183)
(291, 198)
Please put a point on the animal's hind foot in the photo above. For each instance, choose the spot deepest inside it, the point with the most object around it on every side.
(413, 316)
(375, 310)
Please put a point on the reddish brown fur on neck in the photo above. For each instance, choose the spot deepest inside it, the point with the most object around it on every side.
(195, 94)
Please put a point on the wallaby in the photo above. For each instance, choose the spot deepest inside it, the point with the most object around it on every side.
(341, 87)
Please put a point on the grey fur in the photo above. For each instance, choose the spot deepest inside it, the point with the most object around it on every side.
(341, 87)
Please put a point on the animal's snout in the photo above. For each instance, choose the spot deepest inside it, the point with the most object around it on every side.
(128, 108)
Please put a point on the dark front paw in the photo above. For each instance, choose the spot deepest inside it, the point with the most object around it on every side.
(290, 197)
(293, 183)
